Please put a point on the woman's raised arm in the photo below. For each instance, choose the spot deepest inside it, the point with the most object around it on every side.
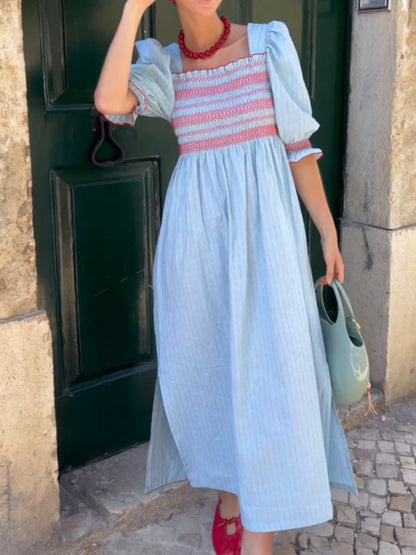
(112, 95)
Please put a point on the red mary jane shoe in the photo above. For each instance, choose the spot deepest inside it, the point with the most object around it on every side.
(226, 544)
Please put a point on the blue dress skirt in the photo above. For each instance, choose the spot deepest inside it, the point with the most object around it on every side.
(243, 399)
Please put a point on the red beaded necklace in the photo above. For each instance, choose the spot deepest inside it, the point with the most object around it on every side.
(211, 51)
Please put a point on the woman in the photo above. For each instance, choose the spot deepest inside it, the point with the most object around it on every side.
(243, 401)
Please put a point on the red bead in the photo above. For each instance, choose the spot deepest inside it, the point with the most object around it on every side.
(211, 51)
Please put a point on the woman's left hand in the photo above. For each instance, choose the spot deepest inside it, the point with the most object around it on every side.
(333, 260)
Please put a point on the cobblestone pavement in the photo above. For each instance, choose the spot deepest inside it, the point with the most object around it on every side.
(381, 519)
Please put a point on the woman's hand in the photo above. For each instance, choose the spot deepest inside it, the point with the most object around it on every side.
(142, 4)
(333, 259)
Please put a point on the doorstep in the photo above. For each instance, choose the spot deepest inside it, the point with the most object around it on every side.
(108, 495)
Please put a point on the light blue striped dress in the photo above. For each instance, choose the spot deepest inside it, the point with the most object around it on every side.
(243, 400)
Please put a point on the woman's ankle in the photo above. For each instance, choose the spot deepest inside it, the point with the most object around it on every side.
(255, 543)
(229, 504)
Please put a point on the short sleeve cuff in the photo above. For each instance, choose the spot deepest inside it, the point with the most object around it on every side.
(122, 119)
(138, 110)
(297, 151)
(142, 101)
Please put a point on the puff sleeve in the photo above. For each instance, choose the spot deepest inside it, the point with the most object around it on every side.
(151, 81)
(291, 99)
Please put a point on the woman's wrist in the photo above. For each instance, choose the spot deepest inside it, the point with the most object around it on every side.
(328, 231)
(135, 9)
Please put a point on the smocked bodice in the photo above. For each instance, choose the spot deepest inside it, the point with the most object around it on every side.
(219, 107)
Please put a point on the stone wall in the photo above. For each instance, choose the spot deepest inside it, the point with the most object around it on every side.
(379, 226)
(17, 254)
(29, 510)
(403, 171)
(29, 498)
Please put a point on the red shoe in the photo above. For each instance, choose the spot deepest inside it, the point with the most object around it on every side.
(226, 544)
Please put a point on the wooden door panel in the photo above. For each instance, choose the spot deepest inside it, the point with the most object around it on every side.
(75, 34)
(105, 418)
(106, 229)
(106, 224)
(113, 267)
(292, 13)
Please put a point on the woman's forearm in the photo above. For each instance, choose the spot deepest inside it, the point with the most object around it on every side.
(310, 188)
(112, 95)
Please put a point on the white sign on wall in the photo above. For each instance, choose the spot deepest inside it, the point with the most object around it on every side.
(372, 5)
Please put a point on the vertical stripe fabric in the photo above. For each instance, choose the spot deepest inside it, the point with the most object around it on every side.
(243, 401)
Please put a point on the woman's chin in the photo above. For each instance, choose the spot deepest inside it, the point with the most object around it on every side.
(200, 6)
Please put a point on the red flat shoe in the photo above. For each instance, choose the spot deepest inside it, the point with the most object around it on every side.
(226, 544)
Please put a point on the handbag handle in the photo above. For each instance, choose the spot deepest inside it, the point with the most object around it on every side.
(340, 296)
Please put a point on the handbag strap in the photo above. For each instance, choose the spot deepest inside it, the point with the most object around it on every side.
(341, 291)
(341, 298)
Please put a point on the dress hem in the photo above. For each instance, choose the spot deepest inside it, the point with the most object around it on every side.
(283, 525)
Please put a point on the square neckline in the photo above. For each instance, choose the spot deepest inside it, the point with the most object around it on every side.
(223, 67)
(240, 62)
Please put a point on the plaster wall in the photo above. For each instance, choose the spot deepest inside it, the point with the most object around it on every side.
(29, 496)
(369, 151)
(367, 255)
(29, 500)
(401, 346)
(403, 187)
(17, 252)
(378, 229)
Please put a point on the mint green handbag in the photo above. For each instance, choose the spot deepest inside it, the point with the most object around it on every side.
(344, 345)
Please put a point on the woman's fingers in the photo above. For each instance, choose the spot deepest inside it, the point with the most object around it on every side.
(333, 260)
(339, 269)
(334, 269)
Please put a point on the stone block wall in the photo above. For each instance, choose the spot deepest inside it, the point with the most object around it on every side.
(379, 226)
(403, 170)
(17, 253)
(29, 497)
(29, 510)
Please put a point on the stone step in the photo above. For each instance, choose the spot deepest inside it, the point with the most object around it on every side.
(108, 495)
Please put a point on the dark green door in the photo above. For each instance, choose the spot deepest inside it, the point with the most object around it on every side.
(96, 229)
